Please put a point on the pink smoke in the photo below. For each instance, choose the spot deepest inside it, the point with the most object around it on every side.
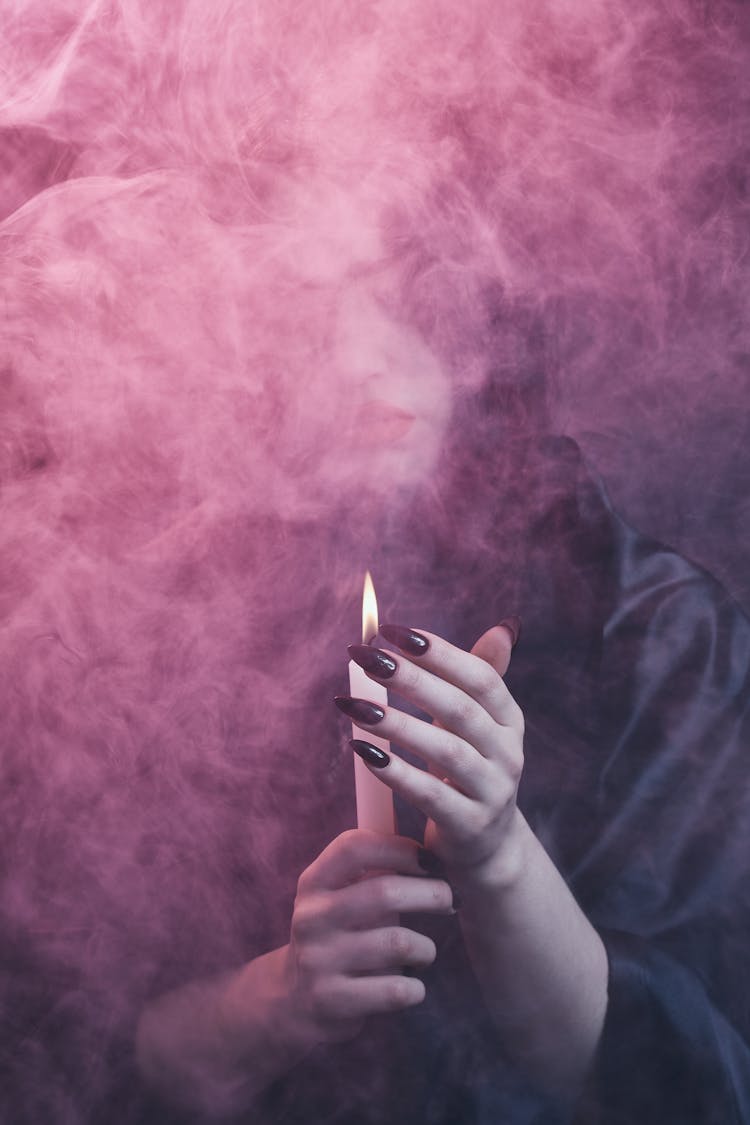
(227, 228)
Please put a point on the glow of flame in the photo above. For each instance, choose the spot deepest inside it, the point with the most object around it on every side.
(369, 611)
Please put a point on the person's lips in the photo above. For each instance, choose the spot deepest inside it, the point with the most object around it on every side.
(381, 423)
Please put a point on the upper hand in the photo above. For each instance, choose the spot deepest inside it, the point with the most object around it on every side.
(473, 749)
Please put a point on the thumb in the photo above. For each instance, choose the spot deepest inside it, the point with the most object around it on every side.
(495, 646)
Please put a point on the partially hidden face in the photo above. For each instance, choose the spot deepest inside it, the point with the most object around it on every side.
(398, 392)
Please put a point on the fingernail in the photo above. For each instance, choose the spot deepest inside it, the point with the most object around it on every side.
(406, 639)
(373, 660)
(429, 862)
(513, 625)
(361, 710)
(373, 755)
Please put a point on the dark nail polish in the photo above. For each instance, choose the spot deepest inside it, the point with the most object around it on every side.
(513, 625)
(373, 755)
(361, 710)
(406, 639)
(373, 660)
(429, 862)
(457, 901)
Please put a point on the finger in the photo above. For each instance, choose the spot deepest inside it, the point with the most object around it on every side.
(495, 646)
(368, 904)
(451, 707)
(390, 947)
(355, 854)
(348, 998)
(443, 751)
(450, 808)
(465, 671)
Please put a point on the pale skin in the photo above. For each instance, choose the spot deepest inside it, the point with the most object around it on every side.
(541, 965)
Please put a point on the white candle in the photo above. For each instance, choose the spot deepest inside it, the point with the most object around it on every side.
(374, 799)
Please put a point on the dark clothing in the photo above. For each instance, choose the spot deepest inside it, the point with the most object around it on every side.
(632, 671)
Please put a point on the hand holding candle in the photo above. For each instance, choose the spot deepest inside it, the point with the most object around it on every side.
(473, 750)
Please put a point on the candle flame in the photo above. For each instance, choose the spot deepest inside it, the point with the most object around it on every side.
(369, 612)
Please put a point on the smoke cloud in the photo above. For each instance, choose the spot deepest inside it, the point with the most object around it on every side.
(259, 262)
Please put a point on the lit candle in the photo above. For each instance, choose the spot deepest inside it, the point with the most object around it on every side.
(374, 799)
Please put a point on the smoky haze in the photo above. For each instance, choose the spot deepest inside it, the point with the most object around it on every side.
(258, 262)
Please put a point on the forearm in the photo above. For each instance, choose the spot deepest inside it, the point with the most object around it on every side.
(213, 1045)
(541, 964)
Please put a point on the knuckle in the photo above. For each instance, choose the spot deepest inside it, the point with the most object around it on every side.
(478, 821)
(458, 753)
(507, 773)
(515, 766)
(460, 709)
(305, 918)
(484, 680)
(301, 921)
(366, 850)
(423, 950)
(303, 883)
(518, 720)
(307, 961)
(434, 797)
(355, 848)
(505, 793)
(398, 992)
(399, 722)
(442, 895)
(398, 944)
(428, 951)
(351, 841)
(321, 995)
(391, 895)
(409, 674)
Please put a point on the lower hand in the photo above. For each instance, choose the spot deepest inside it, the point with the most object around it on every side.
(347, 950)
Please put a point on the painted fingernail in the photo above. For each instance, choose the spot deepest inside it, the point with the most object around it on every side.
(407, 639)
(373, 660)
(361, 710)
(513, 625)
(429, 862)
(373, 755)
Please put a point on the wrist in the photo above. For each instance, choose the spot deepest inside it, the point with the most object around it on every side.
(215, 1043)
(502, 869)
(259, 999)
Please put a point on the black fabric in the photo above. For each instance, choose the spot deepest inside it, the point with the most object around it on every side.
(646, 809)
